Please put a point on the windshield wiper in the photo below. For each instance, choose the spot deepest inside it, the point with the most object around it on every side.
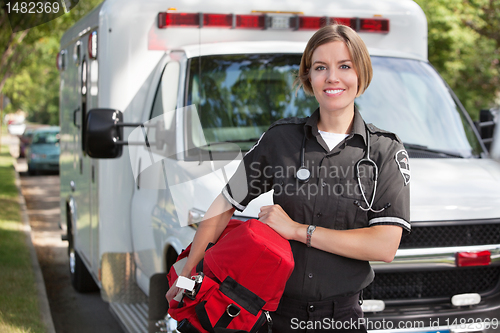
(414, 146)
(243, 140)
(231, 141)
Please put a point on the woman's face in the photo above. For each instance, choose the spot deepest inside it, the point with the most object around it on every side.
(333, 78)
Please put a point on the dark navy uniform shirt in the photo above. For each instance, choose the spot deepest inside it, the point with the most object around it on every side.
(327, 199)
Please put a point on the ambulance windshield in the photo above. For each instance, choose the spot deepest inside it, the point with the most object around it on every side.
(409, 98)
(239, 96)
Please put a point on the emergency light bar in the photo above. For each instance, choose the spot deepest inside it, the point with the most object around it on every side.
(268, 21)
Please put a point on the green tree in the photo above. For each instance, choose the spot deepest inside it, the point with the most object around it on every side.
(464, 43)
(28, 73)
(483, 16)
(463, 48)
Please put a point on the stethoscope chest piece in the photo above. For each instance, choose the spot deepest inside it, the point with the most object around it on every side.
(303, 174)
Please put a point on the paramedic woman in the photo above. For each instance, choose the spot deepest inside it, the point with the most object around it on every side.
(321, 206)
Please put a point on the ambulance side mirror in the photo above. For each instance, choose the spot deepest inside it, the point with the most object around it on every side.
(104, 133)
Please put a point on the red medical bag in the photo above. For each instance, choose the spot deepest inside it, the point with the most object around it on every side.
(240, 278)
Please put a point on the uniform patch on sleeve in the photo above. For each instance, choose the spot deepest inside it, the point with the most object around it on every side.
(404, 166)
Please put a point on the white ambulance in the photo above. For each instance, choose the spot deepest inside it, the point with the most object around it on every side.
(190, 85)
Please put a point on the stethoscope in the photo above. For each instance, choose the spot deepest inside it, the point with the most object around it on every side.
(303, 175)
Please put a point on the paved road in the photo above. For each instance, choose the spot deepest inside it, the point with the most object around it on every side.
(72, 312)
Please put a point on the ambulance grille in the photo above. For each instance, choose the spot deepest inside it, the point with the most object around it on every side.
(436, 284)
(451, 235)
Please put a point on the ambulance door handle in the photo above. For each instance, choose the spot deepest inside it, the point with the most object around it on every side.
(138, 182)
(74, 117)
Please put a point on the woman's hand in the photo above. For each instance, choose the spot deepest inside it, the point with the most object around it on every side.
(275, 217)
(216, 219)
(172, 292)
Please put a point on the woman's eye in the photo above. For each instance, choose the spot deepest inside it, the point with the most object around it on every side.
(320, 68)
(345, 67)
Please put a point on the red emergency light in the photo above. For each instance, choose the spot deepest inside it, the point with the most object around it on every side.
(178, 20)
(374, 25)
(312, 22)
(250, 21)
(211, 20)
(269, 21)
(350, 22)
(467, 259)
(218, 20)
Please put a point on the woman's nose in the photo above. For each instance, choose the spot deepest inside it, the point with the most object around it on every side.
(332, 77)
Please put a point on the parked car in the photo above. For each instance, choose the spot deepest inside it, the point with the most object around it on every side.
(43, 152)
(25, 139)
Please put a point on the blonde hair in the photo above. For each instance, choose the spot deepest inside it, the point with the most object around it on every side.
(357, 50)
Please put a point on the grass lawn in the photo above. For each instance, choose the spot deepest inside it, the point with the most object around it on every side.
(19, 310)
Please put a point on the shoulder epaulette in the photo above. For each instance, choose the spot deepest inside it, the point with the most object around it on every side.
(374, 129)
(289, 121)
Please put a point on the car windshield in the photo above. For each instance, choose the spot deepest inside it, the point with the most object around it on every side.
(239, 96)
(45, 137)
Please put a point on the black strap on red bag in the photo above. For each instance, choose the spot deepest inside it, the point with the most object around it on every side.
(233, 290)
(242, 297)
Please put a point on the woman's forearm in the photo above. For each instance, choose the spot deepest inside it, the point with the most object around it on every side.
(376, 243)
(209, 230)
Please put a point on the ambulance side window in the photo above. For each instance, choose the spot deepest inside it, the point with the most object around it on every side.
(163, 111)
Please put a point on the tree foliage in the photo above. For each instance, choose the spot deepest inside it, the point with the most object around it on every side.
(28, 73)
(464, 43)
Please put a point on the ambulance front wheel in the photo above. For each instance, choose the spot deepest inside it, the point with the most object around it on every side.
(81, 280)
(158, 305)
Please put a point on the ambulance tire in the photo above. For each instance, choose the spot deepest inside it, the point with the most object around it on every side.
(81, 280)
(158, 305)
